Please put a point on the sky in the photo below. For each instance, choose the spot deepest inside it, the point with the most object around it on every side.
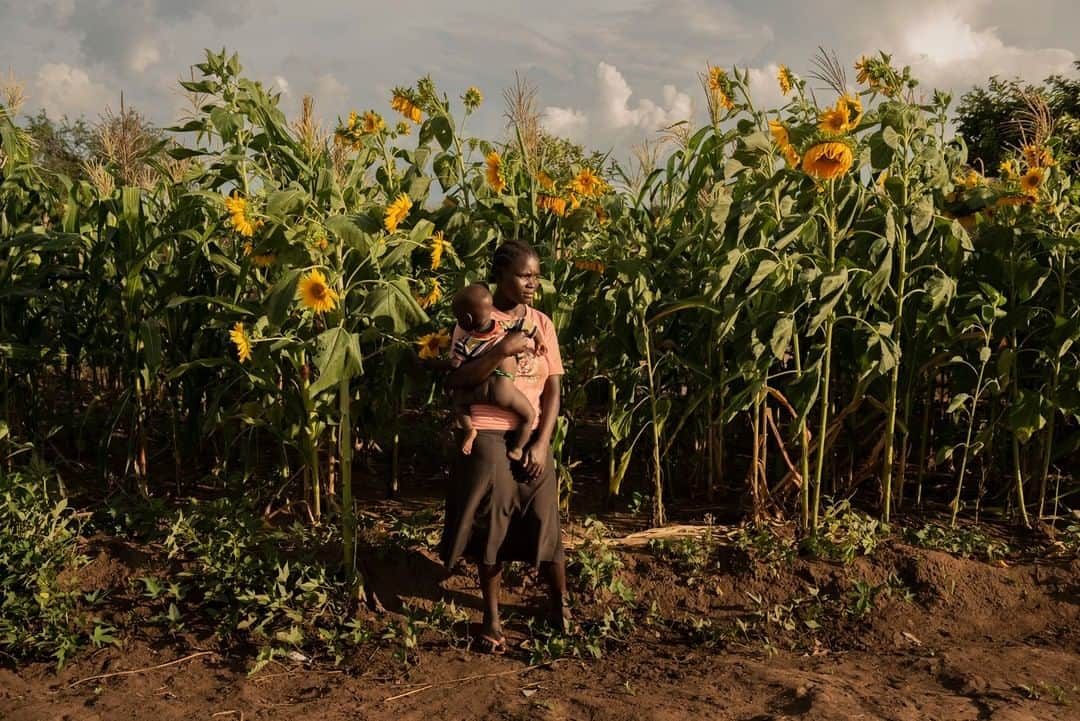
(608, 74)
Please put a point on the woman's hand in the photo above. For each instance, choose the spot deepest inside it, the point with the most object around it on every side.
(534, 461)
(512, 344)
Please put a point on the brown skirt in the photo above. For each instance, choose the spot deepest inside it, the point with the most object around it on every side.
(495, 513)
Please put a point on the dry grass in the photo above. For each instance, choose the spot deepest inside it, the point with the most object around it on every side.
(523, 117)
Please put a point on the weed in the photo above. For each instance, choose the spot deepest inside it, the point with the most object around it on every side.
(968, 542)
(42, 613)
(844, 534)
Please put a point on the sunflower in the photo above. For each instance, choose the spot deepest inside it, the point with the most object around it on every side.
(1031, 181)
(854, 108)
(587, 183)
(786, 79)
(779, 133)
(438, 245)
(433, 344)
(404, 105)
(1037, 156)
(791, 155)
(835, 121)
(574, 200)
(828, 160)
(472, 98)
(969, 180)
(862, 70)
(1007, 169)
(372, 123)
(240, 339)
(261, 260)
(546, 181)
(602, 216)
(397, 212)
(494, 172)
(316, 294)
(1014, 200)
(718, 86)
(238, 216)
(433, 296)
(594, 266)
(404, 128)
(550, 202)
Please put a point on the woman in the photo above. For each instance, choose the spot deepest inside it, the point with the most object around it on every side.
(500, 510)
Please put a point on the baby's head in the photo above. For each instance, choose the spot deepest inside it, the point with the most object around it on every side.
(472, 307)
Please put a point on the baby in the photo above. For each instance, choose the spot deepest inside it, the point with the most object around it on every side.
(472, 306)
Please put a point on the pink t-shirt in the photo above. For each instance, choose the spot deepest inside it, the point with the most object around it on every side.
(531, 376)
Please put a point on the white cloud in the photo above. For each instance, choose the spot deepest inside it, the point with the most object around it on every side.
(66, 90)
(946, 50)
(144, 55)
(329, 90)
(565, 122)
(613, 113)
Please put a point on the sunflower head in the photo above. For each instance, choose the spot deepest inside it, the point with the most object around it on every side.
(238, 216)
(1031, 181)
(438, 245)
(434, 295)
(786, 78)
(405, 102)
(472, 98)
(587, 183)
(828, 160)
(1007, 169)
(372, 123)
(316, 294)
(1037, 156)
(552, 203)
(545, 181)
(397, 212)
(433, 344)
(239, 338)
(494, 172)
(854, 108)
(779, 133)
(791, 156)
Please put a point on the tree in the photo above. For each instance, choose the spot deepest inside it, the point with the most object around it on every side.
(990, 118)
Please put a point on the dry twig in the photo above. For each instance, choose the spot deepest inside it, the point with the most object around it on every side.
(140, 670)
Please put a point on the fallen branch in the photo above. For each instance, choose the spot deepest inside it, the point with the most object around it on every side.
(140, 670)
(477, 677)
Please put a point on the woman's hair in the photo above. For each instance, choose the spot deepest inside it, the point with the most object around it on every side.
(507, 254)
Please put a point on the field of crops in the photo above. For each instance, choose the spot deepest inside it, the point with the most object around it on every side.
(818, 317)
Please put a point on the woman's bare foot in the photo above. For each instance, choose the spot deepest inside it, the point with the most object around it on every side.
(491, 639)
(467, 442)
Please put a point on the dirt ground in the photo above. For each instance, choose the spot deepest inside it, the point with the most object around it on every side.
(967, 640)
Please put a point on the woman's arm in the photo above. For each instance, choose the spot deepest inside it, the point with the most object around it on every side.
(536, 454)
(475, 371)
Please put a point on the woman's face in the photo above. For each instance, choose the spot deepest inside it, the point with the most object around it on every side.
(518, 282)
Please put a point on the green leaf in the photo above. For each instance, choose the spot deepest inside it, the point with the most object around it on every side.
(338, 357)
(764, 269)
(281, 298)
(349, 233)
(150, 336)
(283, 203)
(781, 336)
(957, 402)
(392, 305)
(1025, 415)
(922, 214)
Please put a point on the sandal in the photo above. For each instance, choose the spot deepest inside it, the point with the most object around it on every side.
(493, 646)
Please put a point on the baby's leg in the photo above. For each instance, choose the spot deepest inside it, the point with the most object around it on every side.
(505, 395)
(462, 400)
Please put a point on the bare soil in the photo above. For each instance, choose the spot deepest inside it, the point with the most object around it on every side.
(948, 638)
